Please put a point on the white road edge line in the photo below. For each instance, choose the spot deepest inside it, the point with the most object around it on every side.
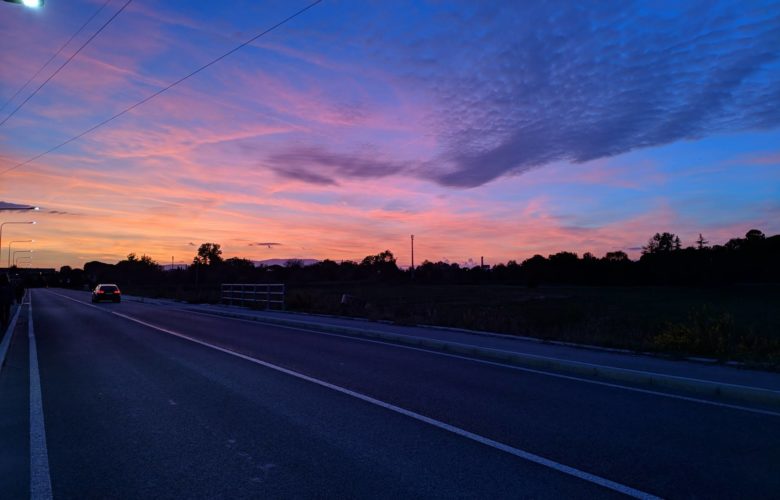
(7, 338)
(496, 363)
(476, 360)
(40, 477)
(525, 455)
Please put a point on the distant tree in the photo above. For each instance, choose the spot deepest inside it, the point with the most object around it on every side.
(134, 262)
(239, 263)
(616, 256)
(754, 235)
(147, 261)
(561, 258)
(294, 264)
(385, 257)
(662, 243)
(382, 264)
(208, 254)
(701, 243)
(734, 244)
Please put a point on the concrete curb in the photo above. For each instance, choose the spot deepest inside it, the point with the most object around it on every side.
(689, 386)
(481, 333)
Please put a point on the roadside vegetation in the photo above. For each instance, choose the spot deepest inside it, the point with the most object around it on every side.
(720, 302)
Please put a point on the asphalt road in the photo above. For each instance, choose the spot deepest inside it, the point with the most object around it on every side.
(147, 400)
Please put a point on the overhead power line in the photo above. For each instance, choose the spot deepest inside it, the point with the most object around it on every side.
(168, 87)
(98, 11)
(66, 62)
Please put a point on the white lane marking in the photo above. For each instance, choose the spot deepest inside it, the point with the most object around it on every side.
(40, 478)
(525, 455)
(476, 360)
(7, 337)
(499, 364)
(531, 457)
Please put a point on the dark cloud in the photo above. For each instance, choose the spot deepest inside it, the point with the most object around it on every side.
(317, 165)
(62, 212)
(512, 86)
(551, 82)
(264, 244)
(518, 85)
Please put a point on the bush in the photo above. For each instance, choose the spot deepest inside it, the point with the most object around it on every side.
(705, 332)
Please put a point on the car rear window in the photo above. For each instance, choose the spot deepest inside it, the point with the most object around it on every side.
(108, 289)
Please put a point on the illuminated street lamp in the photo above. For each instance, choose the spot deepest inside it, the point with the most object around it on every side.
(9, 249)
(1, 233)
(33, 4)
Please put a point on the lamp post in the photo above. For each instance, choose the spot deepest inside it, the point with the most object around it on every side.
(16, 252)
(1, 233)
(9, 248)
(33, 4)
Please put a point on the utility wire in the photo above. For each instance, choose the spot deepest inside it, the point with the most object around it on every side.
(152, 96)
(55, 54)
(66, 62)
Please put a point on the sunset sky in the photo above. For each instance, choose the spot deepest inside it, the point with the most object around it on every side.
(495, 129)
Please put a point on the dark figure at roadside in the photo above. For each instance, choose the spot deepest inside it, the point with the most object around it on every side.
(6, 297)
(19, 291)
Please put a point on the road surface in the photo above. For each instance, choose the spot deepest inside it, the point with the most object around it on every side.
(138, 400)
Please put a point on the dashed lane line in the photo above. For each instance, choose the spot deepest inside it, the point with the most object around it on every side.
(517, 452)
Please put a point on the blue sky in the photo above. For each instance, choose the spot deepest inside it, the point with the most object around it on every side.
(501, 129)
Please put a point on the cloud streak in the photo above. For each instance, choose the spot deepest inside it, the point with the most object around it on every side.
(316, 165)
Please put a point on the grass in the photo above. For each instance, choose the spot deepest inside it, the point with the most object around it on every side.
(739, 323)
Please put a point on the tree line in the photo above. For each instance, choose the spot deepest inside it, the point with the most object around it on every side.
(664, 261)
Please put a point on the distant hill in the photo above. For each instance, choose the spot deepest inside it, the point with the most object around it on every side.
(282, 262)
(257, 263)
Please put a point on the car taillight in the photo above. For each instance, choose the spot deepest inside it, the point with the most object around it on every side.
(100, 291)
(117, 291)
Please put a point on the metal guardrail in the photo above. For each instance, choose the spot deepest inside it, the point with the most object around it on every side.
(271, 296)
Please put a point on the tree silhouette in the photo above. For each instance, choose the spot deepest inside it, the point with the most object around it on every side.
(381, 265)
(752, 259)
(662, 243)
(209, 254)
(617, 256)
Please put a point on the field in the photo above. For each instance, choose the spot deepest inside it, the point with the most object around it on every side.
(739, 322)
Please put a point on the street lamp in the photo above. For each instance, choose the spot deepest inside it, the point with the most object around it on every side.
(33, 4)
(16, 252)
(9, 249)
(1, 232)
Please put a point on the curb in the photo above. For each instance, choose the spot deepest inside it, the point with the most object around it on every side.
(483, 333)
(655, 380)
